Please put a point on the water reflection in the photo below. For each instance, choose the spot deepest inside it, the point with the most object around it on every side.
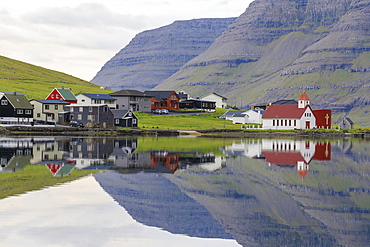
(62, 155)
(259, 192)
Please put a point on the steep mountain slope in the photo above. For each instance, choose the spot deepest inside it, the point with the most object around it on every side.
(154, 55)
(37, 82)
(278, 48)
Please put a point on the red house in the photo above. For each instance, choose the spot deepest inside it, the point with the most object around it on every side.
(169, 100)
(64, 94)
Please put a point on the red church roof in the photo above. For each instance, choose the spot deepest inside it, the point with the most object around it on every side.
(284, 111)
(303, 96)
(283, 158)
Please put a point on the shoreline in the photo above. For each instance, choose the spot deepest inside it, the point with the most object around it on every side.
(220, 133)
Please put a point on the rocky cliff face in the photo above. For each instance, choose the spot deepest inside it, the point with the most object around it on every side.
(278, 48)
(152, 56)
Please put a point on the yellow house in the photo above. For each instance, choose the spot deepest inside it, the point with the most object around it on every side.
(47, 110)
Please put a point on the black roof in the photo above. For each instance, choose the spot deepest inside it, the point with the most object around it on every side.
(159, 95)
(285, 102)
(129, 92)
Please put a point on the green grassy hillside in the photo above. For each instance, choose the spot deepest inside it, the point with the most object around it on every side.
(37, 82)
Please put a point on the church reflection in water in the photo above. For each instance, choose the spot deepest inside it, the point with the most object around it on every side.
(62, 155)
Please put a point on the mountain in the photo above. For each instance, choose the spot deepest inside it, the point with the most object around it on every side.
(154, 55)
(37, 82)
(278, 48)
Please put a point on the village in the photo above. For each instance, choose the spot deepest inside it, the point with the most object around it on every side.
(117, 109)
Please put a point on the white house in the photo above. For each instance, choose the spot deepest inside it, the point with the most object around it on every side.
(244, 117)
(254, 116)
(94, 99)
(290, 114)
(221, 101)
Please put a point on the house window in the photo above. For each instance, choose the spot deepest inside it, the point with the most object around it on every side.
(117, 120)
(38, 115)
(4, 102)
(105, 109)
(79, 116)
(46, 107)
(71, 109)
(57, 96)
(81, 109)
(19, 111)
(134, 121)
(52, 96)
(83, 100)
(90, 109)
(28, 112)
(56, 107)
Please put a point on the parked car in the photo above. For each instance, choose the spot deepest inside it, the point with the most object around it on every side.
(49, 122)
(77, 124)
(39, 122)
(164, 111)
(157, 111)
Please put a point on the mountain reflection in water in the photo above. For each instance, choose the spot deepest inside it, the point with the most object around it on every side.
(259, 192)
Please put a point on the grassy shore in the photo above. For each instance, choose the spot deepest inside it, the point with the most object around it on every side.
(207, 121)
(34, 177)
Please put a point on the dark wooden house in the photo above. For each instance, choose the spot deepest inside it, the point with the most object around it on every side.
(198, 105)
(125, 118)
(15, 109)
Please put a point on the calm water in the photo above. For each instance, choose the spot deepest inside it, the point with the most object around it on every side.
(189, 192)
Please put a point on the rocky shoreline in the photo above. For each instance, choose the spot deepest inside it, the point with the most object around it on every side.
(224, 133)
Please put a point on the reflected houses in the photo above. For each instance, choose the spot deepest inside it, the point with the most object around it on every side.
(53, 154)
(126, 158)
(295, 153)
(170, 162)
(282, 152)
(49, 149)
(15, 154)
(91, 153)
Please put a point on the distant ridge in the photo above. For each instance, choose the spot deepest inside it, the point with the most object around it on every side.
(154, 55)
(279, 48)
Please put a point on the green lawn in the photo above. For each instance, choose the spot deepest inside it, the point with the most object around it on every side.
(185, 122)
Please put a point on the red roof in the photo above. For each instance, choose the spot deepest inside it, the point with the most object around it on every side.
(283, 158)
(284, 111)
(303, 173)
(303, 96)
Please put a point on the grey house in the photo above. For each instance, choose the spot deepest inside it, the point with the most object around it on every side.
(345, 123)
(132, 100)
(94, 115)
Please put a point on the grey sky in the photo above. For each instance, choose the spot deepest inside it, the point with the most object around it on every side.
(77, 37)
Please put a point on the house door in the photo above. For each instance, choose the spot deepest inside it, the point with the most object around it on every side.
(307, 124)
